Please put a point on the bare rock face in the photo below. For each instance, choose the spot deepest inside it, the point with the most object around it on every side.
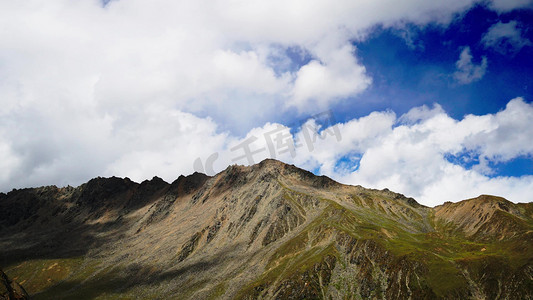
(270, 231)
(10, 290)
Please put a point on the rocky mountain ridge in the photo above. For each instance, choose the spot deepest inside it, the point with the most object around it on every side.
(270, 230)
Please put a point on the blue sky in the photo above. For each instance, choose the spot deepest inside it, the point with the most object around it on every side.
(432, 99)
(406, 76)
(417, 71)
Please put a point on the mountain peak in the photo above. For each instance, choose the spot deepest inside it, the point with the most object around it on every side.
(483, 216)
(269, 230)
(271, 162)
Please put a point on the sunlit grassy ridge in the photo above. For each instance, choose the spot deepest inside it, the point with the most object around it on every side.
(265, 231)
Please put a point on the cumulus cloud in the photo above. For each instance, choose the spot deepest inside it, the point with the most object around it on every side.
(508, 5)
(411, 154)
(505, 38)
(191, 54)
(412, 158)
(421, 113)
(468, 72)
(503, 136)
(318, 83)
(408, 154)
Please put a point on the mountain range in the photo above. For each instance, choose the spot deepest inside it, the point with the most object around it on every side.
(266, 231)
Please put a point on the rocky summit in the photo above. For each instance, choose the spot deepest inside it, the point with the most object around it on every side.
(267, 231)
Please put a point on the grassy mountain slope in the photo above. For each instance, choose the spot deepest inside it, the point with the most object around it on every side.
(266, 231)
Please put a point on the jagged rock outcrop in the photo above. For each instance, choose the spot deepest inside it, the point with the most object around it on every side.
(270, 231)
(11, 290)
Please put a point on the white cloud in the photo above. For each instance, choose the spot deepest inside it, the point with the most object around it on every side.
(10, 162)
(411, 38)
(190, 54)
(508, 5)
(467, 72)
(505, 135)
(412, 158)
(505, 38)
(421, 113)
(163, 143)
(338, 76)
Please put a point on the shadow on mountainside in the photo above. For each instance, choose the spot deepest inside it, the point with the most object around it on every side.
(123, 278)
(56, 243)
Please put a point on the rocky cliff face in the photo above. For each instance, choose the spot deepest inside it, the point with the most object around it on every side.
(10, 290)
(266, 231)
